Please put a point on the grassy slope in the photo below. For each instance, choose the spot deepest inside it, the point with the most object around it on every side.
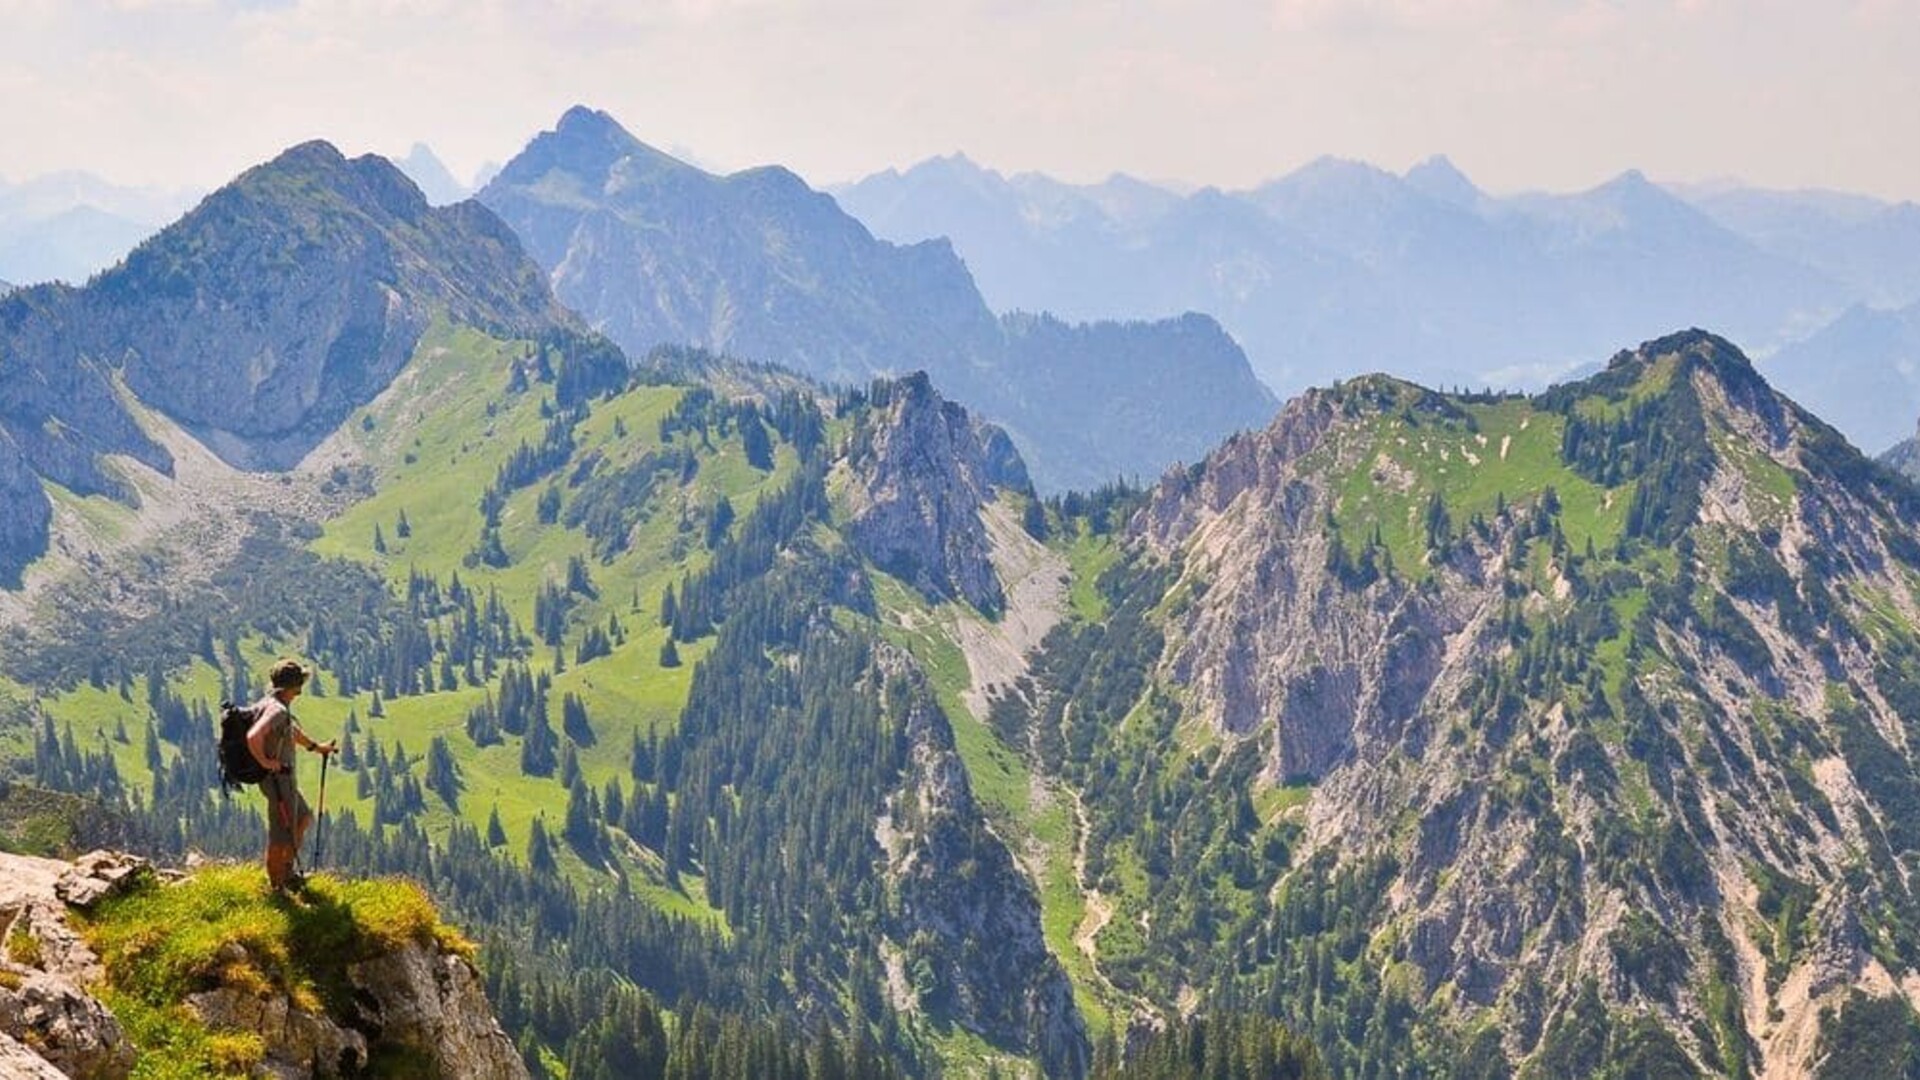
(436, 440)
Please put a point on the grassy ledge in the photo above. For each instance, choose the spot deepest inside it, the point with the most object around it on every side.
(160, 943)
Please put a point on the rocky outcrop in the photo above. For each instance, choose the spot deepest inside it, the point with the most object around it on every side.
(965, 920)
(46, 970)
(415, 1000)
(432, 1003)
(918, 479)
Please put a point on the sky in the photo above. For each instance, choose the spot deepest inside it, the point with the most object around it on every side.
(1521, 94)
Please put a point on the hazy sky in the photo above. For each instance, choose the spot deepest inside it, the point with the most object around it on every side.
(1556, 94)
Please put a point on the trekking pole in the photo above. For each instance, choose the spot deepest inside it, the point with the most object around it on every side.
(320, 826)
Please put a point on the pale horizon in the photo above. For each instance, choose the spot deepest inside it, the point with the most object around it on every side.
(1520, 96)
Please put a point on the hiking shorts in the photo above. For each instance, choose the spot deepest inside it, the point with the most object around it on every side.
(285, 807)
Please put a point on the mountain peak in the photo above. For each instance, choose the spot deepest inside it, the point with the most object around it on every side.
(579, 121)
(587, 143)
(1437, 177)
(431, 176)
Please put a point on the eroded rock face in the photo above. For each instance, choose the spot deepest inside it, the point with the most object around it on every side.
(17, 1062)
(66, 1026)
(919, 482)
(432, 1002)
(967, 920)
(298, 1042)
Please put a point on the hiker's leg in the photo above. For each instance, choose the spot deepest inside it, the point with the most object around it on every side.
(279, 864)
(302, 820)
(281, 834)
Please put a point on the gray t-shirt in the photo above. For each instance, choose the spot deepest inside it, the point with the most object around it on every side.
(279, 741)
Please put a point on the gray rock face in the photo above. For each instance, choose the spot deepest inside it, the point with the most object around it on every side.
(17, 1062)
(432, 1002)
(967, 919)
(1281, 640)
(919, 481)
(69, 1028)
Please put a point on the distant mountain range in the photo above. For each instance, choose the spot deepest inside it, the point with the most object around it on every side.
(68, 226)
(1342, 268)
(655, 251)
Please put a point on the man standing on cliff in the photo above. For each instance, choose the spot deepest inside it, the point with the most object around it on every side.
(272, 739)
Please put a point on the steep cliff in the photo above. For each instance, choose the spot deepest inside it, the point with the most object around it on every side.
(917, 478)
(107, 961)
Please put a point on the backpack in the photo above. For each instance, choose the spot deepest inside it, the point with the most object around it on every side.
(238, 766)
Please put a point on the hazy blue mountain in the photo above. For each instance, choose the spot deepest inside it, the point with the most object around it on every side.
(1867, 244)
(1904, 457)
(1628, 251)
(67, 226)
(1439, 179)
(70, 246)
(1128, 250)
(430, 175)
(653, 250)
(1342, 267)
(1861, 374)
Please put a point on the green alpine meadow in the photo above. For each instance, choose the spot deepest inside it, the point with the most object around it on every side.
(719, 717)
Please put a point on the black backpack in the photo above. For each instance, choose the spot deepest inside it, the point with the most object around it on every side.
(238, 766)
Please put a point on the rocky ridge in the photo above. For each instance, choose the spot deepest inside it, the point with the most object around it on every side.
(965, 917)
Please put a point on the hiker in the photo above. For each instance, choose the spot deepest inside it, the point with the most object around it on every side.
(271, 740)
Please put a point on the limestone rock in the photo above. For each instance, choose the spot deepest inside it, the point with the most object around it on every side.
(17, 1062)
(98, 875)
(298, 1042)
(68, 1028)
(432, 1002)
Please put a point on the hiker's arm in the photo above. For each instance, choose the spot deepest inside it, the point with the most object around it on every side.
(305, 741)
(257, 742)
